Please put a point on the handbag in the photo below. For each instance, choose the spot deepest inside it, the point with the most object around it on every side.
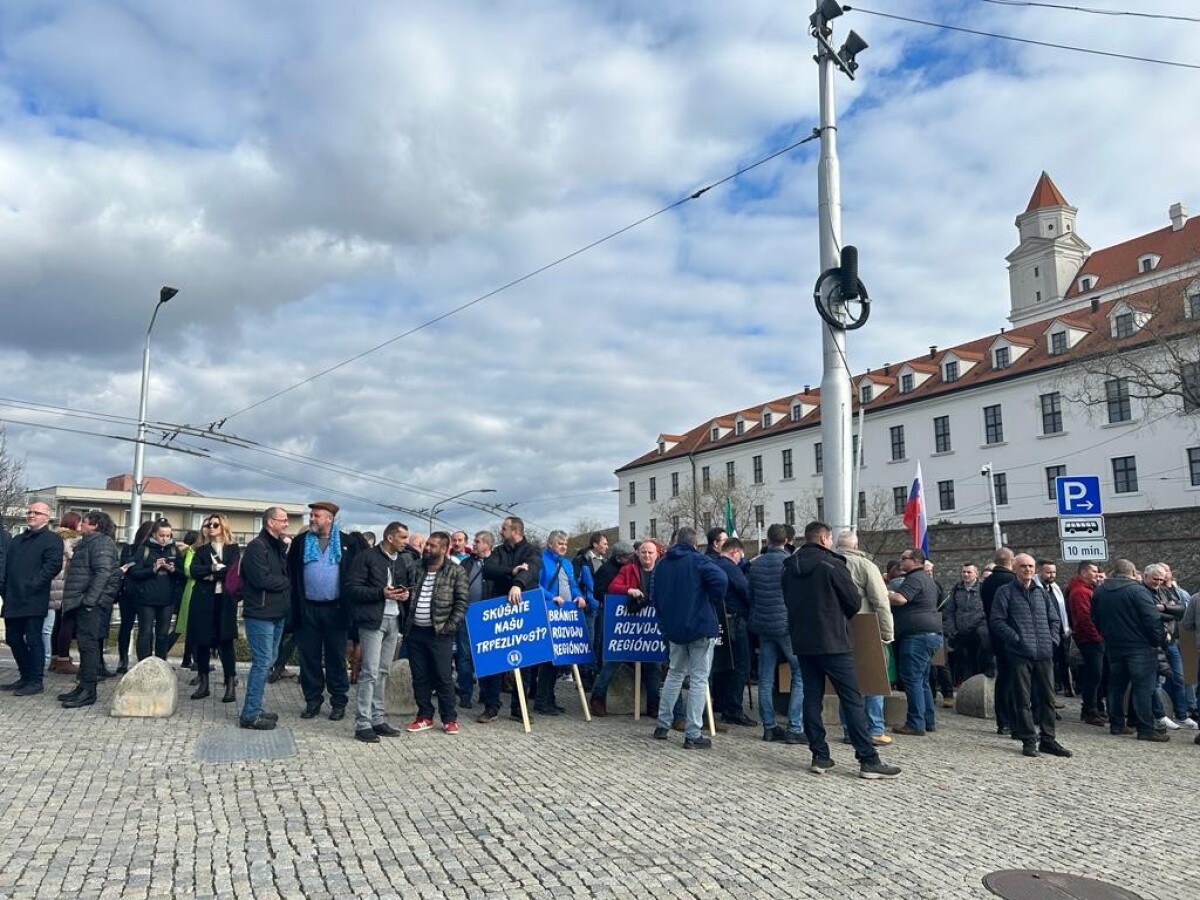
(233, 580)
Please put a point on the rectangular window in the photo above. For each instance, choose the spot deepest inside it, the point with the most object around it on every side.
(1058, 343)
(897, 436)
(1116, 393)
(868, 393)
(653, 489)
(633, 531)
(705, 479)
(941, 434)
(1053, 473)
(787, 463)
(654, 528)
(818, 458)
(1189, 386)
(760, 519)
(789, 512)
(1123, 325)
(758, 469)
(899, 499)
(1194, 465)
(1125, 475)
(1003, 357)
(730, 479)
(906, 383)
(1052, 420)
(862, 507)
(797, 409)
(674, 484)
(740, 427)
(945, 495)
(1000, 480)
(950, 371)
(993, 425)
(1194, 306)
(707, 519)
(674, 525)
(854, 451)
(632, 493)
(768, 419)
(716, 433)
(821, 509)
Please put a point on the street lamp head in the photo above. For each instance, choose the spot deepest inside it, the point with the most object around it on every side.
(854, 45)
(166, 293)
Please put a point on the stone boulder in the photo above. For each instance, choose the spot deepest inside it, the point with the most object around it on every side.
(148, 690)
(619, 699)
(400, 700)
(976, 697)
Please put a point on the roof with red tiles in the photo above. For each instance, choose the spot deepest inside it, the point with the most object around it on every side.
(1119, 263)
(1045, 193)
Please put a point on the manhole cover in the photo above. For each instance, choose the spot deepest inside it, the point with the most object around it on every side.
(236, 744)
(1027, 884)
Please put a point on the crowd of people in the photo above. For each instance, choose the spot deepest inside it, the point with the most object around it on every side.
(347, 604)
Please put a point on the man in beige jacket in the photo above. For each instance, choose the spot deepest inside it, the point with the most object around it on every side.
(873, 593)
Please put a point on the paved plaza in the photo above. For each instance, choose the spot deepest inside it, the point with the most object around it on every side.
(97, 807)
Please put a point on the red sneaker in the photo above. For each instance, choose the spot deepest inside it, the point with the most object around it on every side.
(450, 728)
(419, 724)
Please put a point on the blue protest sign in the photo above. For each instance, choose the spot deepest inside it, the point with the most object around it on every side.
(507, 636)
(631, 636)
(568, 634)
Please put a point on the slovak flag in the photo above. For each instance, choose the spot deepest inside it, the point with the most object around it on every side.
(915, 519)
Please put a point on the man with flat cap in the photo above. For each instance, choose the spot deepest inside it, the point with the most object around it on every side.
(319, 562)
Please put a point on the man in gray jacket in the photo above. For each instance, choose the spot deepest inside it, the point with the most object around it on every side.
(89, 588)
(869, 582)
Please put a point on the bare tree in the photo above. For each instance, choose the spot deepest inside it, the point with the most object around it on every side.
(705, 508)
(12, 479)
(878, 522)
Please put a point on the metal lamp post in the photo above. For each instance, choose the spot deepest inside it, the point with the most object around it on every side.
(139, 448)
(443, 502)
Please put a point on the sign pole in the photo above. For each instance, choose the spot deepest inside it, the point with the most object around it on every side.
(637, 691)
(708, 709)
(519, 687)
(583, 701)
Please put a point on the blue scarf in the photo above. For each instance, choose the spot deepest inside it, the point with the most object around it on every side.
(312, 549)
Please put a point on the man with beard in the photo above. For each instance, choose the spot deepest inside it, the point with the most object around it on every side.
(513, 567)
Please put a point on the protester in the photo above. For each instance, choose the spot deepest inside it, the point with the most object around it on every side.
(1088, 640)
(34, 557)
(715, 538)
(266, 599)
(873, 596)
(769, 621)
(729, 686)
(127, 597)
(157, 571)
(1047, 577)
(459, 550)
(821, 600)
(965, 627)
(1170, 609)
(1177, 595)
(479, 588)
(90, 586)
(1000, 575)
(918, 636)
(558, 581)
(212, 619)
(59, 627)
(686, 589)
(513, 567)
(437, 604)
(636, 581)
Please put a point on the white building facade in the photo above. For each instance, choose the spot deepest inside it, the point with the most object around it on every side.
(1035, 401)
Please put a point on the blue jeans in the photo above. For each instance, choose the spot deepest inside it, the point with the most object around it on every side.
(1174, 684)
(263, 636)
(48, 631)
(693, 662)
(772, 651)
(913, 654)
(873, 707)
(463, 664)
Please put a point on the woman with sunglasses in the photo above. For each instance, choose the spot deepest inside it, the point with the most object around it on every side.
(212, 619)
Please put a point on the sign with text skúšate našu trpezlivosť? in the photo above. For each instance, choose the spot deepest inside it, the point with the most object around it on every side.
(507, 636)
(631, 636)
(568, 634)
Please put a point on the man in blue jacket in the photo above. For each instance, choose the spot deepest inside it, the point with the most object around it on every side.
(687, 587)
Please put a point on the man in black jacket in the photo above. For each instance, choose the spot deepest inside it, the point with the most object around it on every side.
(513, 567)
(1002, 574)
(377, 591)
(1124, 611)
(319, 562)
(729, 684)
(34, 557)
(821, 600)
(1026, 621)
(266, 598)
(90, 586)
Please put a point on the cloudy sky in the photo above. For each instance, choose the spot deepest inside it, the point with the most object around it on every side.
(317, 178)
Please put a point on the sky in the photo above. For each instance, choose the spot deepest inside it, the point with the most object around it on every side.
(317, 179)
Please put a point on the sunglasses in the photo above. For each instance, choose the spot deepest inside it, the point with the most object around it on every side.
(212, 525)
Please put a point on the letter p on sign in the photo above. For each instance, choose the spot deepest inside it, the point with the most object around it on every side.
(1078, 495)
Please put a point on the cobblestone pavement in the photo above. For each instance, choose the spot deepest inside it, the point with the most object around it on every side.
(96, 807)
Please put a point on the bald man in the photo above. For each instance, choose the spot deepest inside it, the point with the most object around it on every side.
(34, 557)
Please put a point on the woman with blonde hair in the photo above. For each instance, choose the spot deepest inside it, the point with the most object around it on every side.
(212, 616)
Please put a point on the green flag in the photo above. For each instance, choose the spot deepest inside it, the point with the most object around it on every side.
(730, 524)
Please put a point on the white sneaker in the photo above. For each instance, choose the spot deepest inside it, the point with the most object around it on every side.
(1168, 723)
(1191, 723)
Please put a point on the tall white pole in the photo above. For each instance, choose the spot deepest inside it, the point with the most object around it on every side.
(997, 540)
(139, 449)
(835, 378)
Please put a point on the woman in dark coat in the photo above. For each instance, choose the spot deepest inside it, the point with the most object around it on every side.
(157, 573)
(212, 617)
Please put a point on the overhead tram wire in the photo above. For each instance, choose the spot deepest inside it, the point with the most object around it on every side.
(1021, 40)
(695, 195)
(1091, 10)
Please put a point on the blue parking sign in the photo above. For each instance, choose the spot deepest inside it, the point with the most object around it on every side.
(506, 636)
(1078, 495)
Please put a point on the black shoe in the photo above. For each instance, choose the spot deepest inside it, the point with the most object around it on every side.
(13, 685)
(230, 691)
(465, 703)
(122, 665)
(259, 723)
(273, 675)
(740, 719)
(562, 709)
(660, 733)
(774, 733)
(1002, 729)
(820, 765)
(1054, 748)
(515, 714)
(546, 710)
(311, 711)
(337, 714)
(71, 694)
(274, 717)
(700, 743)
(488, 716)
(29, 689)
(201, 688)
(1157, 737)
(877, 769)
(1029, 748)
(796, 737)
(104, 672)
(366, 735)
(86, 697)
(386, 730)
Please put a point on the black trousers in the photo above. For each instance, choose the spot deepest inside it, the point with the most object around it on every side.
(973, 653)
(24, 635)
(839, 667)
(125, 630)
(321, 640)
(1004, 692)
(1062, 670)
(1025, 674)
(224, 651)
(1090, 674)
(941, 681)
(539, 683)
(430, 658)
(90, 628)
(154, 631)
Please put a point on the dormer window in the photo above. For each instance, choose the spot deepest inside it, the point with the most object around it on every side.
(1003, 358)
(739, 427)
(1086, 283)
(797, 412)
(662, 447)
(867, 393)
(1193, 305)
(906, 383)
(715, 434)
(1148, 262)
(767, 419)
(950, 371)
(1123, 325)
(1058, 343)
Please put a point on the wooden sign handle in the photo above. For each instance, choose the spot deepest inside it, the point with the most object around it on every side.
(708, 709)
(583, 700)
(637, 691)
(519, 687)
